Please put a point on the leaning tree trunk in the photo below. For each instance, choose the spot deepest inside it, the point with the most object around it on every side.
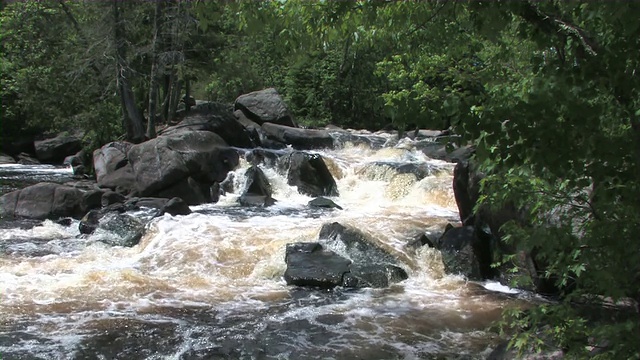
(153, 86)
(132, 116)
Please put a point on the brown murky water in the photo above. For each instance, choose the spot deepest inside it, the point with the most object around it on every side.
(209, 285)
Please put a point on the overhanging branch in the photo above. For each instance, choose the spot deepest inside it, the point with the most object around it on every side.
(555, 25)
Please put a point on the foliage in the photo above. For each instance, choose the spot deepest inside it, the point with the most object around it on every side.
(547, 91)
(556, 134)
(31, 35)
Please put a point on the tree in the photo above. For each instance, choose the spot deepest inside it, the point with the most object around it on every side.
(557, 134)
(153, 85)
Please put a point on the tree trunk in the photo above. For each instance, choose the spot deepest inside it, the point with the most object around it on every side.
(133, 117)
(174, 98)
(187, 95)
(153, 86)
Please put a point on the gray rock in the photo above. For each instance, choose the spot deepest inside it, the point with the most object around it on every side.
(165, 161)
(45, 201)
(27, 159)
(265, 106)
(124, 230)
(176, 206)
(112, 166)
(373, 276)
(6, 159)
(356, 245)
(308, 264)
(301, 139)
(314, 265)
(111, 197)
(257, 190)
(323, 202)
(192, 191)
(75, 159)
(460, 250)
(54, 150)
(309, 173)
(89, 223)
(216, 118)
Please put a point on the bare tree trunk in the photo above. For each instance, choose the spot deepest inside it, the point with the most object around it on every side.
(187, 95)
(174, 95)
(153, 86)
(133, 117)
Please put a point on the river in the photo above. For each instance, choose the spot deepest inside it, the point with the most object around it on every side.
(209, 285)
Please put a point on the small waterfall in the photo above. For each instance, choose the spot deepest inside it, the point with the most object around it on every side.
(209, 284)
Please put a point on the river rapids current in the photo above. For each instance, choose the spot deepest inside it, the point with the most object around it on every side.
(209, 285)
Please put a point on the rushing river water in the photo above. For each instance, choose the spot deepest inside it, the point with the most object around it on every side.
(210, 285)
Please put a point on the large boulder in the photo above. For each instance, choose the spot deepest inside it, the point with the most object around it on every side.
(355, 244)
(342, 257)
(216, 118)
(112, 167)
(449, 153)
(46, 201)
(465, 252)
(192, 191)
(309, 264)
(257, 190)
(372, 265)
(54, 150)
(309, 173)
(265, 106)
(162, 163)
(301, 139)
(487, 221)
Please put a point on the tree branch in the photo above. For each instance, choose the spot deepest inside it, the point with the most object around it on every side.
(554, 25)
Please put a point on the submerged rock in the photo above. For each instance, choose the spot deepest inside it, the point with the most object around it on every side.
(122, 229)
(323, 202)
(89, 223)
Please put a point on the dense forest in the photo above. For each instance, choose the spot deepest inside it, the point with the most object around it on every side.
(547, 91)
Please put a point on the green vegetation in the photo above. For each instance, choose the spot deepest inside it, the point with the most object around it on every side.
(548, 92)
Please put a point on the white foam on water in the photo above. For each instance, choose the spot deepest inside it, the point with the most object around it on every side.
(496, 286)
(231, 259)
(48, 230)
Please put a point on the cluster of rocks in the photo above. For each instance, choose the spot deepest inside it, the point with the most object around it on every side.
(187, 164)
(191, 163)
